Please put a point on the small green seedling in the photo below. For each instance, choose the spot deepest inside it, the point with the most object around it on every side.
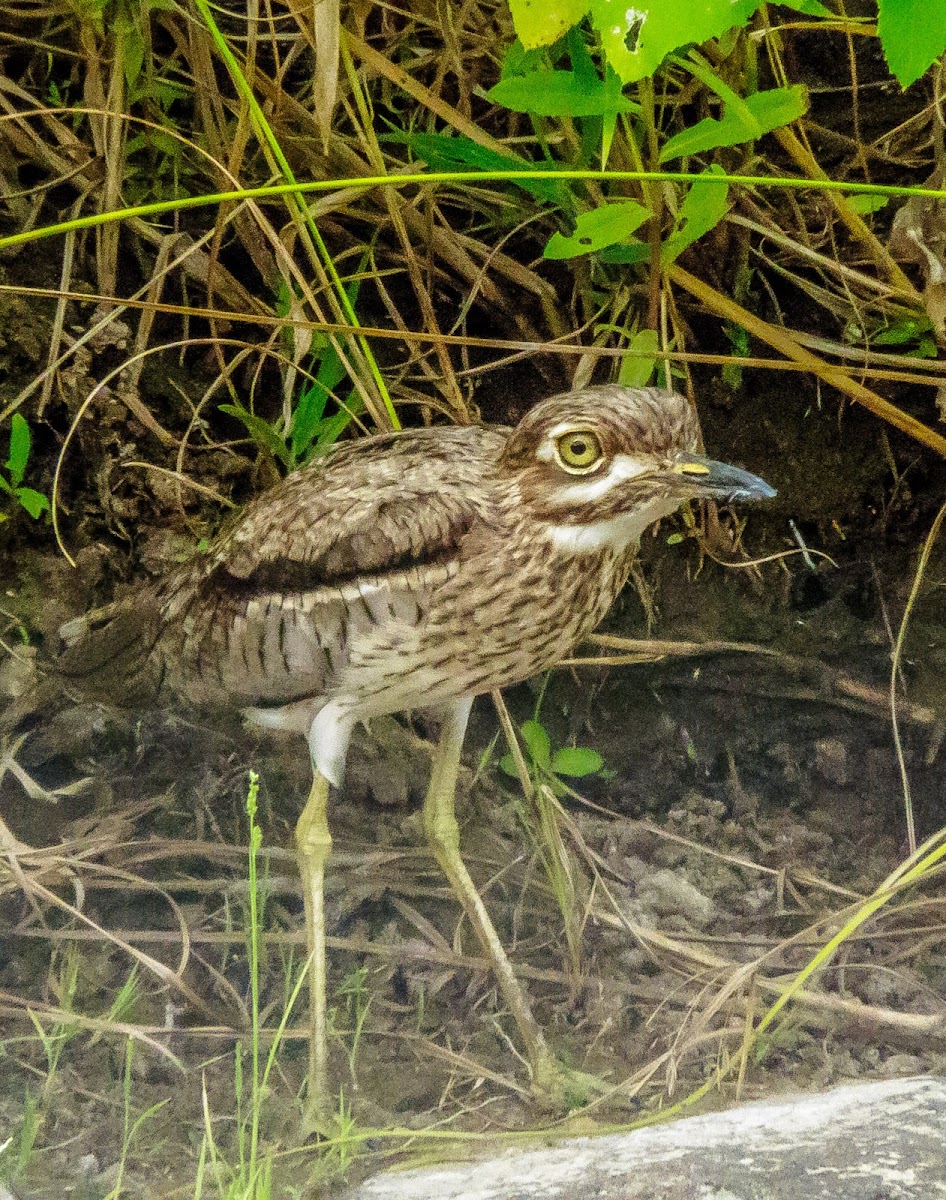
(568, 762)
(34, 502)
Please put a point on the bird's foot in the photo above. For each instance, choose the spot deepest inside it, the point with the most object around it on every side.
(558, 1090)
(322, 1123)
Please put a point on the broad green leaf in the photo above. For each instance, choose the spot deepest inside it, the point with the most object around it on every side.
(542, 24)
(926, 348)
(636, 39)
(166, 92)
(309, 411)
(597, 228)
(760, 113)
(536, 738)
(913, 36)
(306, 417)
(19, 448)
(34, 502)
(154, 139)
(630, 254)
(561, 94)
(704, 207)
(576, 761)
(636, 371)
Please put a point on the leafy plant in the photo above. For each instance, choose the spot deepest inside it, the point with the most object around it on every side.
(311, 432)
(546, 766)
(590, 95)
(543, 818)
(912, 333)
(35, 503)
(637, 40)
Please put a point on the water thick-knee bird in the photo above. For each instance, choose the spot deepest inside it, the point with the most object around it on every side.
(409, 570)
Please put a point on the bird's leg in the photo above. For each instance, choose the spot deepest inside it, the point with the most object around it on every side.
(443, 836)
(313, 847)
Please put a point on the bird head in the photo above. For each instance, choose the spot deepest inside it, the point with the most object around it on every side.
(596, 467)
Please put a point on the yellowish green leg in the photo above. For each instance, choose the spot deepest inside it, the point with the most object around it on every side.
(443, 836)
(313, 847)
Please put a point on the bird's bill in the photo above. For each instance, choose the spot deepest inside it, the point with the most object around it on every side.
(718, 480)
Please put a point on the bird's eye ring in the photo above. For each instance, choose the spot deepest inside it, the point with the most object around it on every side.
(578, 451)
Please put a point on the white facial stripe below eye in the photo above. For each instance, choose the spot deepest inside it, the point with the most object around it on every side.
(615, 533)
(622, 468)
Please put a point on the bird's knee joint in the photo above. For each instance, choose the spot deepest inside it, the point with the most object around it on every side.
(443, 834)
(313, 839)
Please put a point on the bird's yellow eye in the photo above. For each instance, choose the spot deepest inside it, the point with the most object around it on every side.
(578, 451)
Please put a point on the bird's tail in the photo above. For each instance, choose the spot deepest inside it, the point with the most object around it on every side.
(109, 656)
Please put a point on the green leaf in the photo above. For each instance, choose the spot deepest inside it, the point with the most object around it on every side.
(636, 39)
(913, 36)
(308, 423)
(635, 372)
(330, 429)
(759, 113)
(261, 432)
(34, 502)
(307, 417)
(705, 206)
(166, 91)
(809, 8)
(633, 252)
(133, 45)
(927, 347)
(441, 153)
(868, 202)
(562, 94)
(907, 329)
(543, 24)
(507, 764)
(576, 762)
(154, 139)
(19, 448)
(597, 228)
(536, 738)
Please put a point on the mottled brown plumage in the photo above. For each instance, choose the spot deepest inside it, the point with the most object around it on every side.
(410, 570)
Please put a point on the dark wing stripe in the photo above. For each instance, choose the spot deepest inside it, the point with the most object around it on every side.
(286, 576)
